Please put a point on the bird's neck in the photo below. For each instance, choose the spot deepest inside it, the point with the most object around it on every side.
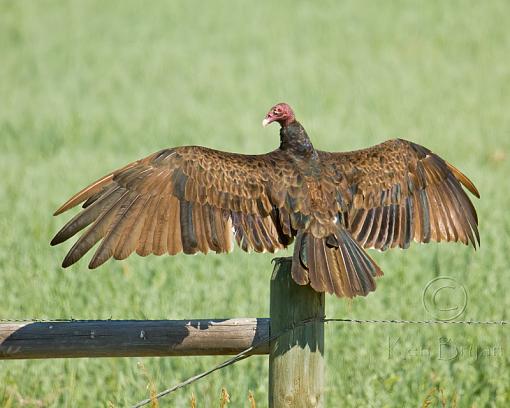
(293, 138)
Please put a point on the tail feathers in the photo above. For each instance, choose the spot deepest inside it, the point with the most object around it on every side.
(299, 269)
(335, 264)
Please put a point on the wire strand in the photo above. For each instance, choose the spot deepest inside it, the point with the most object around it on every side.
(325, 320)
(245, 353)
(402, 321)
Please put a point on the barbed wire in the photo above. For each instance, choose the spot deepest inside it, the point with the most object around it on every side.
(47, 320)
(246, 353)
(238, 357)
(403, 321)
(325, 320)
(36, 320)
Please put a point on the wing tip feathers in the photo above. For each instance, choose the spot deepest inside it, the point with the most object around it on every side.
(465, 181)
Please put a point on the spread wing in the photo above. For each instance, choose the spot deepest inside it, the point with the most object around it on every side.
(398, 191)
(188, 199)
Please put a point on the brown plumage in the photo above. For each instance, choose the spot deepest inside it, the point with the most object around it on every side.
(335, 205)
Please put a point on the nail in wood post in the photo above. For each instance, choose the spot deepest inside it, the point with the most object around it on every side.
(296, 358)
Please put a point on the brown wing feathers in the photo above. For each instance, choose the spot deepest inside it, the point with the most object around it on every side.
(194, 199)
(401, 192)
(170, 203)
(419, 196)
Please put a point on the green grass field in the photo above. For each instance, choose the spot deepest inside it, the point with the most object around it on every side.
(86, 87)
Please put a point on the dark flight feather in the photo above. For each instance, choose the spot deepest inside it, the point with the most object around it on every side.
(193, 199)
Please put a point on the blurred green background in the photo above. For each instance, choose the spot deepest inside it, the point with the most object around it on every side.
(87, 86)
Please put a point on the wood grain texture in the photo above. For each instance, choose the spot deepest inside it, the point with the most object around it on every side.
(131, 338)
(296, 358)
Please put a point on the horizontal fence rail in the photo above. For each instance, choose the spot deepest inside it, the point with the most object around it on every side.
(145, 338)
(292, 336)
(132, 338)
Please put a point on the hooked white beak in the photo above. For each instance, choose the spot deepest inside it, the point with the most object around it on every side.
(265, 122)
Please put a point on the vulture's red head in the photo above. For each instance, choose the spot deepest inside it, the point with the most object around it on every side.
(281, 113)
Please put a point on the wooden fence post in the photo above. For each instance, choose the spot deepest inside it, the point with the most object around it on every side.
(296, 359)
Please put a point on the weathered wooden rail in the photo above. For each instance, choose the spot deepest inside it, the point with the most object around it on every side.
(296, 350)
(131, 338)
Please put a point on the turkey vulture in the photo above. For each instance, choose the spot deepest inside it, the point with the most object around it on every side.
(335, 205)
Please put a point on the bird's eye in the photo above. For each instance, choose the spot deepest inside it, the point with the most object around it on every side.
(276, 111)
